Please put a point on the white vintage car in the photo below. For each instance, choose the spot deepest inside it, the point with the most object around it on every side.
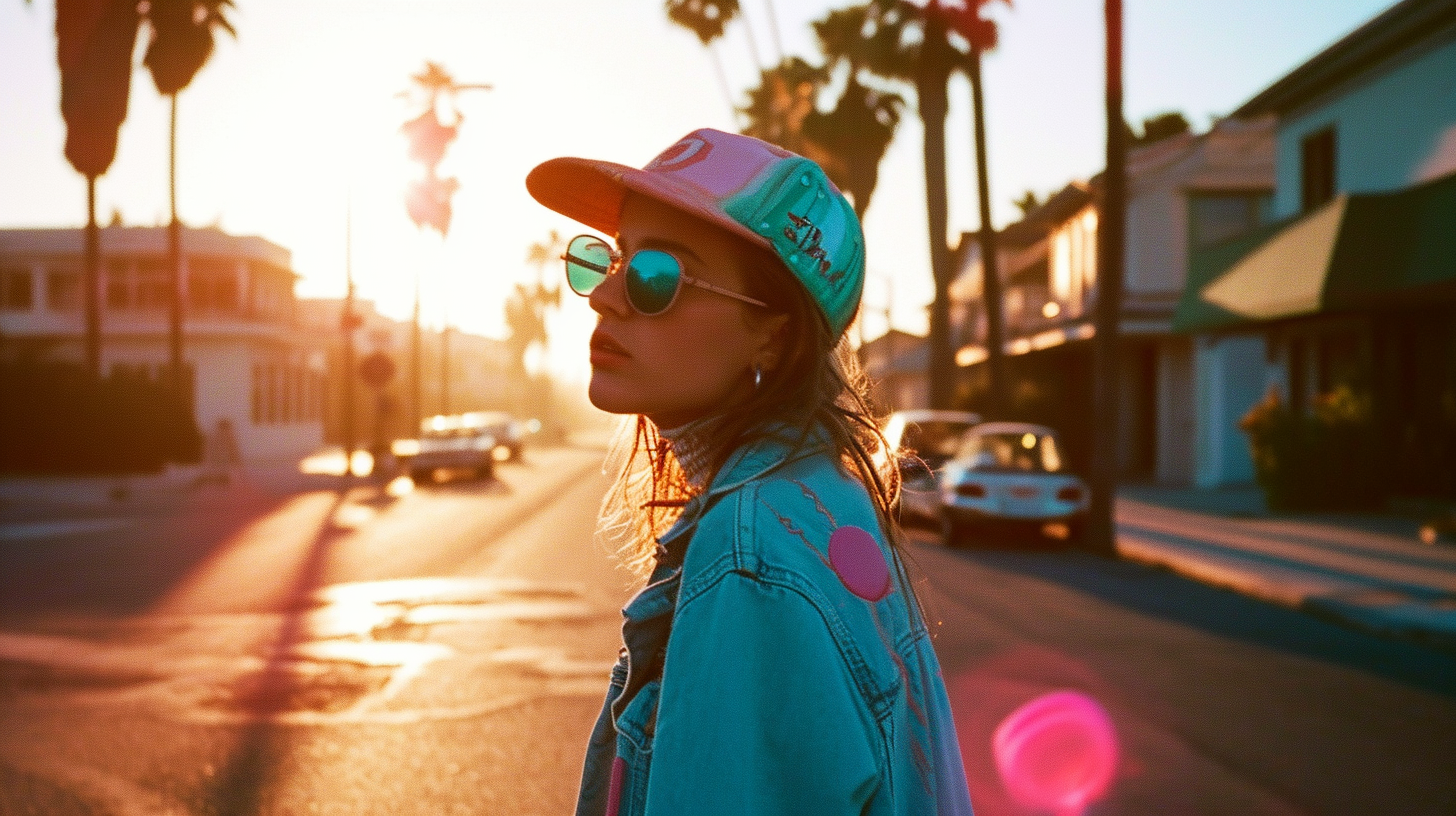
(456, 442)
(925, 438)
(1008, 480)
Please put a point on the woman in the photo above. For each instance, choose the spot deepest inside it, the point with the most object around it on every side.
(777, 661)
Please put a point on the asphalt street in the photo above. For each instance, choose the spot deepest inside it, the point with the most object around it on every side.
(312, 646)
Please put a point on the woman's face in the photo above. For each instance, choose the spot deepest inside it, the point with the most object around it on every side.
(698, 356)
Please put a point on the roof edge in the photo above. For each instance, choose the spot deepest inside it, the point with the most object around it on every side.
(1394, 30)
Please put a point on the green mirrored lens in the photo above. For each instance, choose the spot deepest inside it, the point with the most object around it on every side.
(652, 281)
(587, 261)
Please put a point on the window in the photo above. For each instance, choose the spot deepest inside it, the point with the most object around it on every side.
(118, 286)
(1317, 168)
(63, 290)
(154, 285)
(17, 289)
(213, 286)
(257, 394)
(1219, 217)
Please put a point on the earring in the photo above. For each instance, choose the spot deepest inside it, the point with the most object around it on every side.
(757, 376)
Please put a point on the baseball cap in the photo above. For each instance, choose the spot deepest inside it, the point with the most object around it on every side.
(773, 198)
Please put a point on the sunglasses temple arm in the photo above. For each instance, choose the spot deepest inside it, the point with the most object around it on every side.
(711, 288)
(569, 258)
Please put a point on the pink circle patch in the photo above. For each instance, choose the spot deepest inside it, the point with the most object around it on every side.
(858, 562)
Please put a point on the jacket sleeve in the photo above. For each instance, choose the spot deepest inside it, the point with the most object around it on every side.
(759, 713)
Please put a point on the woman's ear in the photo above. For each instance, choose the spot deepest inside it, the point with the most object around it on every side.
(775, 333)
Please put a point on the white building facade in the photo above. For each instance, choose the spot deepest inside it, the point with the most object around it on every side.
(247, 363)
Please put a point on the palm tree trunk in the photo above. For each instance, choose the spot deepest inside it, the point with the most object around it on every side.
(1101, 529)
(723, 82)
(179, 284)
(445, 367)
(932, 74)
(91, 278)
(990, 272)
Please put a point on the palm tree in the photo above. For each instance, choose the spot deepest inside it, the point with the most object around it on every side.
(848, 141)
(707, 19)
(94, 44)
(900, 41)
(181, 43)
(980, 35)
(1101, 527)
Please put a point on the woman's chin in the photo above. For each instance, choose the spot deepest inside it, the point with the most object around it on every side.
(610, 396)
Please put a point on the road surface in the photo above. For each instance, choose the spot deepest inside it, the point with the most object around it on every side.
(323, 648)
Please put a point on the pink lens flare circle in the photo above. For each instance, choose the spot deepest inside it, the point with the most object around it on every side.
(1056, 754)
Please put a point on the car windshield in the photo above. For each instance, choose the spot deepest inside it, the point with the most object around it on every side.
(933, 439)
(1026, 452)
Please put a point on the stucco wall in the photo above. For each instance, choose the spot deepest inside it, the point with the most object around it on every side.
(1395, 128)
(1230, 377)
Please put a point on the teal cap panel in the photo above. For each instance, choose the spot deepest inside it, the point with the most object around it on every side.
(814, 231)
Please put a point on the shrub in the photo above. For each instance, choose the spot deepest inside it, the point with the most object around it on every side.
(1327, 459)
(57, 419)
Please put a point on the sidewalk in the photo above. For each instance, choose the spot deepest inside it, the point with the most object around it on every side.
(1368, 570)
(77, 498)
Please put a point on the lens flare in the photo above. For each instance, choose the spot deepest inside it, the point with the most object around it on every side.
(1057, 753)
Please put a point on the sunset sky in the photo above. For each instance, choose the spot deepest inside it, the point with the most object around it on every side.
(300, 110)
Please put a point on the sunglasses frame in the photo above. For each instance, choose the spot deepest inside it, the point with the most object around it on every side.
(619, 262)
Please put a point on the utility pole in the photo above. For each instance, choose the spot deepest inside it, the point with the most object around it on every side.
(1101, 524)
(180, 383)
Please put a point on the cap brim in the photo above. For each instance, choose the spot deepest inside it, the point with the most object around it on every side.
(591, 191)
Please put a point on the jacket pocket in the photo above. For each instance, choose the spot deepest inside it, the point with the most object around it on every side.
(635, 727)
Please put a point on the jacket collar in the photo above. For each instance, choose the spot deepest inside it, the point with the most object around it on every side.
(750, 461)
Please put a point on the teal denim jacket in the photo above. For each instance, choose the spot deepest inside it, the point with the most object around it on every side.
(765, 672)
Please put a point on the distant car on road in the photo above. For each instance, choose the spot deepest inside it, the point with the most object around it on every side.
(932, 437)
(510, 433)
(1009, 478)
(457, 442)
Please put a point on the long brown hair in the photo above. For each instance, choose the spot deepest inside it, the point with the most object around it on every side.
(817, 385)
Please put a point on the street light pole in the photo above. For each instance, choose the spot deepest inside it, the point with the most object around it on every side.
(348, 322)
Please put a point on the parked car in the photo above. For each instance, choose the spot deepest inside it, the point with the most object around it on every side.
(509, 432)
(926, 438)
(1009, 479)
(456, 442)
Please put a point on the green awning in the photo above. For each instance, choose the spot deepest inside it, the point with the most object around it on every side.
(1355, 252)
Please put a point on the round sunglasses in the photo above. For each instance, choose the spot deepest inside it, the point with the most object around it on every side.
(653, 277)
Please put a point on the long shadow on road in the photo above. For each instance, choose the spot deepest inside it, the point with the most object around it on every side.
(247, 776)
(1161, 594)
(129, 568)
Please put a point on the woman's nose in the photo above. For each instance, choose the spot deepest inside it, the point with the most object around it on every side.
(610, 296)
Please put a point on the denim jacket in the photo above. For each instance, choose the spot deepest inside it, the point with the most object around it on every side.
(767, 672)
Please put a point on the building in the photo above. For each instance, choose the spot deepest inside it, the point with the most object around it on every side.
(246, 364)
(1354, 284)
(895, 363)
(480, 376)
(1184, 190)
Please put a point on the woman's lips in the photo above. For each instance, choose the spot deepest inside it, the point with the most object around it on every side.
(607, 352)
